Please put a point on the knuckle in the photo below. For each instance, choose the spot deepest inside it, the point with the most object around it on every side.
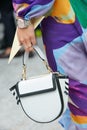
(21, 40)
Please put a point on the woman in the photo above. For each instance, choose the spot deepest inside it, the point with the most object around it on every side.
(66, 50)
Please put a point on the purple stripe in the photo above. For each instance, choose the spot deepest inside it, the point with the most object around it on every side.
(59, 34)
(56, 35)
(78, 94)
(76, 111)
(41, 2)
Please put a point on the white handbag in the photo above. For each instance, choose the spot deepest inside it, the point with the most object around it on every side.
(43, 98)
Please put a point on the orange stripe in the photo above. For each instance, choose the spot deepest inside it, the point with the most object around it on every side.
(79, 119)
(62, 8)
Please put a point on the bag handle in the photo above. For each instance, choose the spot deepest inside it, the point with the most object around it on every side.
(42, 57)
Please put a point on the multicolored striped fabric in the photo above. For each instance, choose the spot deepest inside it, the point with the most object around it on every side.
(28, 9)
(66, 48)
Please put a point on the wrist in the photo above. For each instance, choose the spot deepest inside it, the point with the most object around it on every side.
(22, 23)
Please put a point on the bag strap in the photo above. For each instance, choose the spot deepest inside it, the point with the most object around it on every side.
(42, 57)
(38, 52)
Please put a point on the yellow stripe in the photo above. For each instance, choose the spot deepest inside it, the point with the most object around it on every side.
(79, 119)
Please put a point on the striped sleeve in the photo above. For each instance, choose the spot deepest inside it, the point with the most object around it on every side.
(28, 9)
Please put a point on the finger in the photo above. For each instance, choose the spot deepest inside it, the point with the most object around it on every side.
(28, 47)
(33, 40)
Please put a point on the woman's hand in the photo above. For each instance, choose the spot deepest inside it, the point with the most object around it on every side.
(26, 37)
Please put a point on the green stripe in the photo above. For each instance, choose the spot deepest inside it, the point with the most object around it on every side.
(80, 8)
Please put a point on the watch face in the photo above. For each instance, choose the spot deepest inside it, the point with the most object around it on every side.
(21, 23)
